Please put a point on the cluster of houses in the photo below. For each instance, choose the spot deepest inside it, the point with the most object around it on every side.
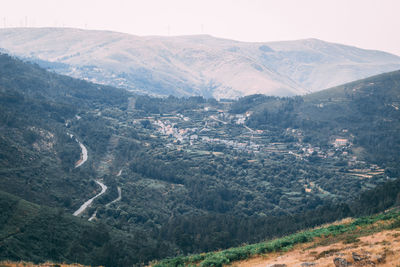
(202, 132)
(221, 128)
(212, 128)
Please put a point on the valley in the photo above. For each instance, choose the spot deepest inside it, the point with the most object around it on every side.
(152, 172)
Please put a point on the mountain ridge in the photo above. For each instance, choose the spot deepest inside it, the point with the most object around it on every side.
(196, 64)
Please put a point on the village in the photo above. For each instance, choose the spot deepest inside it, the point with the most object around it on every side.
(216, 131)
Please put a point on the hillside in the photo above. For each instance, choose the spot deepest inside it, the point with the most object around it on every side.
(364, 114)
(37, 155)
(34, 233)
(367, 241)
(195, 65)
(162, 169)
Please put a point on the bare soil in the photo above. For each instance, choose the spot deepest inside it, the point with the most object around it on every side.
(378, 249)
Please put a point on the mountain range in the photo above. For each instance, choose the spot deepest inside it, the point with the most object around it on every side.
(195, 65)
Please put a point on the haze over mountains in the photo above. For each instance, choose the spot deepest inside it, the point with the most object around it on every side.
(195, 65)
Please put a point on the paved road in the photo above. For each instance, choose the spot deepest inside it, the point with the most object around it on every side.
(87, 203)
(117, 199)
(84, 155)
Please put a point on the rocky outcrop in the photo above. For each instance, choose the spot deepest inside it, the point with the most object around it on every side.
(307, 264)
(340, 262)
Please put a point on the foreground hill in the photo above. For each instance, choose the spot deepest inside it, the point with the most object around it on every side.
(196, 65)
(367, 241)
(175, 176)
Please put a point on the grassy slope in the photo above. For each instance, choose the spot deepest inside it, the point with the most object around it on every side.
(347, 232)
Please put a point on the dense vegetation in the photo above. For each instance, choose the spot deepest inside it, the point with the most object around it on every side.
(180, 196)
(37, 156)
(34, 233)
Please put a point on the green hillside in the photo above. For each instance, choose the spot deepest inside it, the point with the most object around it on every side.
(37, 156)
(365, 112)
(33, 233)
(368, 109)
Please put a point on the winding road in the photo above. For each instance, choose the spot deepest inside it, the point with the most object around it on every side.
(84, 155)
(107, 205)
(117, 199)
(87, 203)
(93, 216)
(80, 162)
(84, 152)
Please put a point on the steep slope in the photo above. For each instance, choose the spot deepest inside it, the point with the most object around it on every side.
(36, 233)
(37, 156)
(40, 186)
(196, 65)
(367, 109)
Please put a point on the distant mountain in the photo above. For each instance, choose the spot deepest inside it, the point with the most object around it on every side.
(195, 65)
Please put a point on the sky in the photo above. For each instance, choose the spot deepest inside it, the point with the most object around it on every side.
(370, 24)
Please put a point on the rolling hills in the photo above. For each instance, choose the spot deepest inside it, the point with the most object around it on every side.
(195, 65)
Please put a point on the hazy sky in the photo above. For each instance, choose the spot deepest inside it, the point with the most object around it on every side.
(372, 24)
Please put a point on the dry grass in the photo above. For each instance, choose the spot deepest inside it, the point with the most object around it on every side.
(381, 249)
